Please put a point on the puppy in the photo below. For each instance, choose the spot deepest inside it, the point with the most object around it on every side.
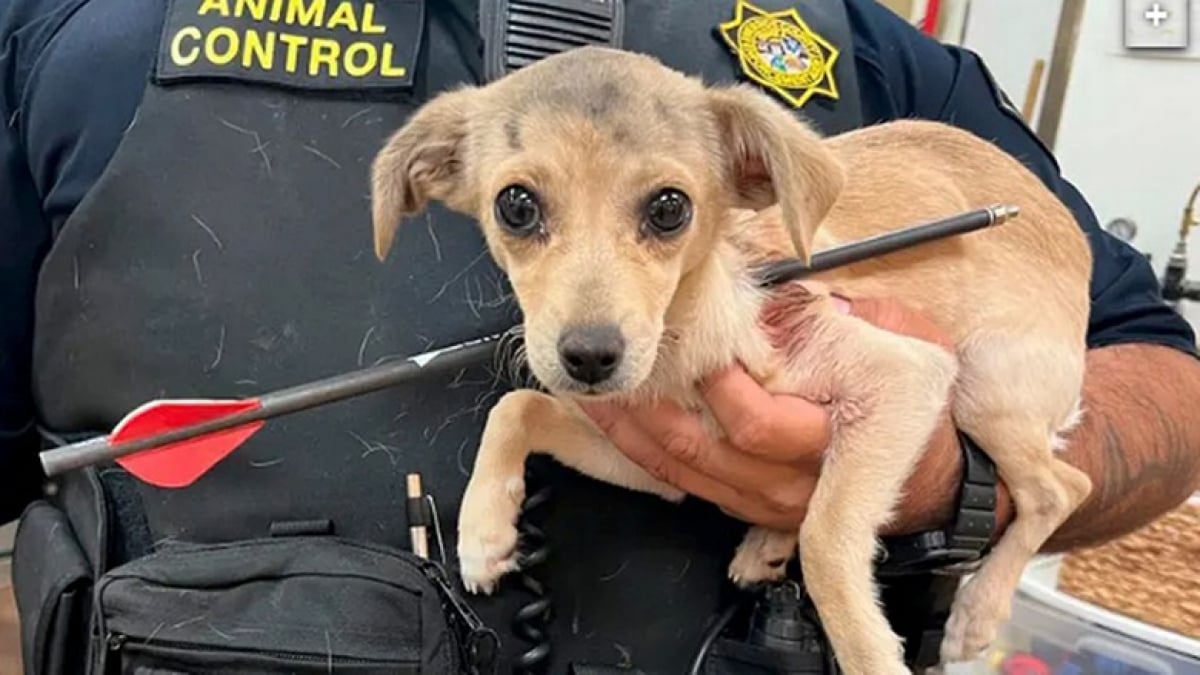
(627, 203)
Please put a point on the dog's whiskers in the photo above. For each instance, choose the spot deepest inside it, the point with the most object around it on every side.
(511, 361)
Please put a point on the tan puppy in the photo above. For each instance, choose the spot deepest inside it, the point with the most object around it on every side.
(609, 188)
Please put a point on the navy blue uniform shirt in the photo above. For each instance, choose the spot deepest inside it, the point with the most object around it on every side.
(72, 73)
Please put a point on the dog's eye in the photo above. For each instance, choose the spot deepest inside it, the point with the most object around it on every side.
(518, 211)
(668, 212)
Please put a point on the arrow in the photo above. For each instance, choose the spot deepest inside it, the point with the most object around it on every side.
(889, 242)
(173, 442)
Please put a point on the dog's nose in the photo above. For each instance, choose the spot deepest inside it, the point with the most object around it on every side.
(591, 354)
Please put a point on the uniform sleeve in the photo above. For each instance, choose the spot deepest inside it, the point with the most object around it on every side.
(24, 238)
(56, 140)
(904, 73)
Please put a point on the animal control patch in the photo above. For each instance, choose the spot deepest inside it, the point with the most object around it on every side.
(779, 51)
(300, 44)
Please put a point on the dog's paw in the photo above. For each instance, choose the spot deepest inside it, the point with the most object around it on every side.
(750, 577)
(671, 494)
(762, 557)
(750, 570)
(974, 623)
(487, 533)
(484, 557)
(644, 482)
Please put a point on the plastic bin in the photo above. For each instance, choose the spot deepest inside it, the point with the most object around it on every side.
(1052, 633)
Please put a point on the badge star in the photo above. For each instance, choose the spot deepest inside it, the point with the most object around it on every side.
(825, 86)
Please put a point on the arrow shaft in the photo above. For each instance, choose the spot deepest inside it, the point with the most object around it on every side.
(284, 402)
(368, 380)
(889, 242)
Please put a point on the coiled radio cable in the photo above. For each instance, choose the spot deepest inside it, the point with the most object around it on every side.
(531, 622)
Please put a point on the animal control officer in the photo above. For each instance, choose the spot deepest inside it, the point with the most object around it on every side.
(184, 213)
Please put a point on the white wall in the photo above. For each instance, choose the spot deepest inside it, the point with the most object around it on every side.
(1011, 35)
(1130, 131)
(1129, 137)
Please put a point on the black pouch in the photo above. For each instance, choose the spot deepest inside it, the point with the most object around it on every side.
(52, 579)
(286, 605)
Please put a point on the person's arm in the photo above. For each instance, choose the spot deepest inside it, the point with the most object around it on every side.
(24, 238)
(1134, 440)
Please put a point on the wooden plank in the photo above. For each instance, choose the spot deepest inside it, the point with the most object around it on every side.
(902, 7)
(10, 630)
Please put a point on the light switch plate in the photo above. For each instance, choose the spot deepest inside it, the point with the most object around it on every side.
(1157, 24)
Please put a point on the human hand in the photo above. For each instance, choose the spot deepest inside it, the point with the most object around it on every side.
(766, 469)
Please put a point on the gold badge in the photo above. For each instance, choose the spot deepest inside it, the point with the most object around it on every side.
(779, 51)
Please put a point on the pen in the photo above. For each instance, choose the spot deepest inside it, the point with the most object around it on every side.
(417, 527)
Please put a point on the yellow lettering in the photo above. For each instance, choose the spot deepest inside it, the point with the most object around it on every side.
(263, 50)
(355, 69)
(324, 51)
(368, 22)
(219, 6)
(257, 9)
(210, 46)
(343, 15)
(277, 9)
(177, 55)
(389, 69)
(256, 49)
(306, 15)
(294, 43)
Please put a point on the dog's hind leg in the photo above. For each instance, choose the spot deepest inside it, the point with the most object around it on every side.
(838, 543)
(1045, 490)
(1015, 401)
(520, 423)
(868, 463)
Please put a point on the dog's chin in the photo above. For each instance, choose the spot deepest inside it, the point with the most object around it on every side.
(561, 384)
(591, 392)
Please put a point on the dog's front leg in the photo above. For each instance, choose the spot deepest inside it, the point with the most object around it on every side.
(523, 422)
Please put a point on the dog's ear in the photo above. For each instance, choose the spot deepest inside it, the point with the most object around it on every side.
(424, 160)
(773, 157)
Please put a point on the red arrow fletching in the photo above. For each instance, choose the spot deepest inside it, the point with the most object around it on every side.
(181, 463)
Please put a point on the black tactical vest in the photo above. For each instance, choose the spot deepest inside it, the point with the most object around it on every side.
(227, 251)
